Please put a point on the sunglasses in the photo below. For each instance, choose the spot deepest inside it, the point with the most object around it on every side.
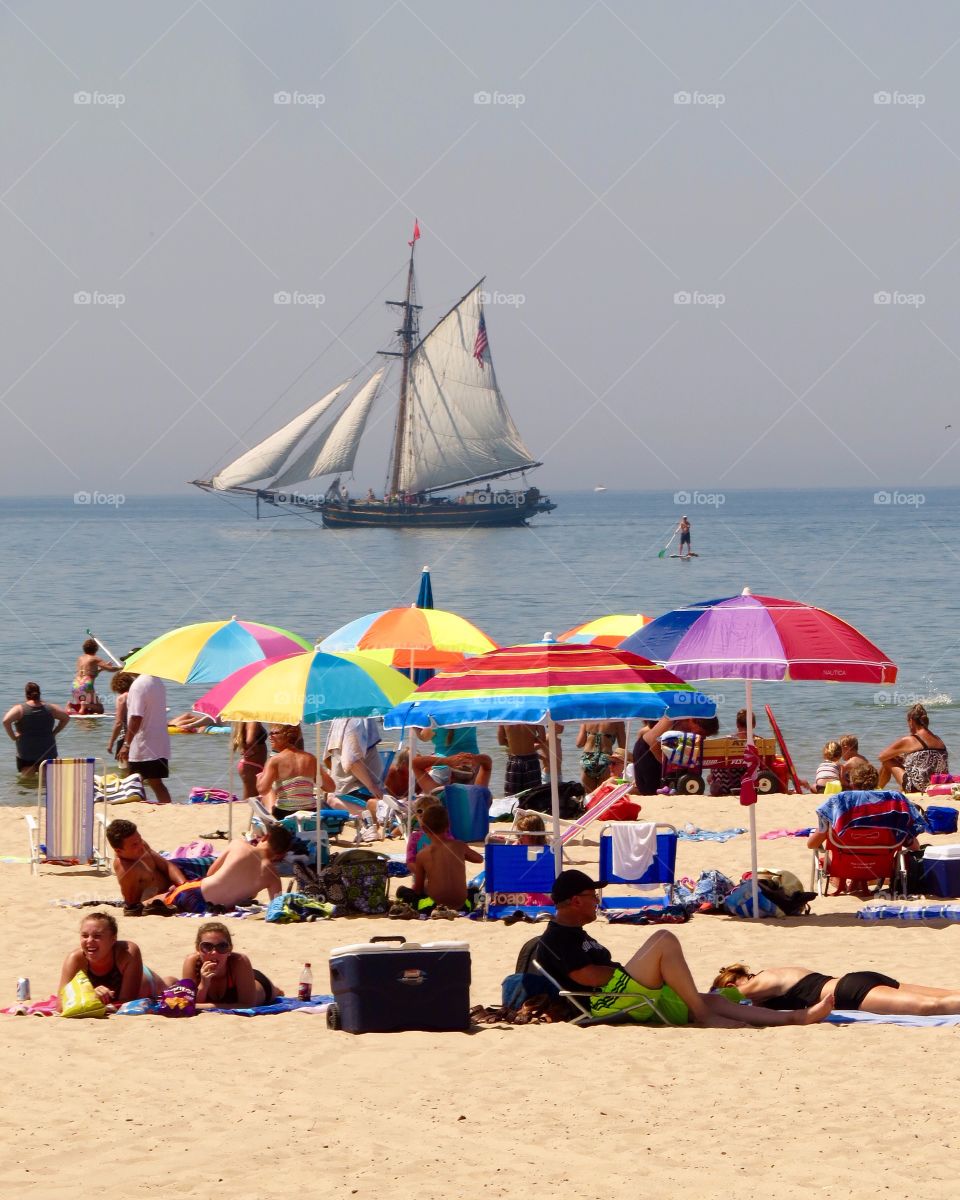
(214, 947)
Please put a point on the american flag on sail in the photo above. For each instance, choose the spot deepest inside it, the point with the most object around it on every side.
(481, 343)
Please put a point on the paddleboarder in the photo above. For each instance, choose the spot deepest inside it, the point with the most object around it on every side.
(684, 530)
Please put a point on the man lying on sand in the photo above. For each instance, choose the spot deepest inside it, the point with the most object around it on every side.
(143, 873)
(658, 970)
(237, 877)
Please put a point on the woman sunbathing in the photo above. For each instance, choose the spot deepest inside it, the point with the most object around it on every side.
(225, 979)
(788, 988)
(114, 967)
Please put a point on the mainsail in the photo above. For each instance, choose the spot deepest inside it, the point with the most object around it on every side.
(268, 456)
(457, 427)
(336, 448)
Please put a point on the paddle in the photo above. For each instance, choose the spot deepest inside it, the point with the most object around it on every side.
(109, 653)
(663, 552)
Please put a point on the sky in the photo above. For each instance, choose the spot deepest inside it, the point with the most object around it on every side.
(721, 240)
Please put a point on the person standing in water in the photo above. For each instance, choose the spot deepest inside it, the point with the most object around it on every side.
(684, 530)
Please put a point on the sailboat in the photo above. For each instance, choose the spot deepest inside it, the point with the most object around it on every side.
(452, 430)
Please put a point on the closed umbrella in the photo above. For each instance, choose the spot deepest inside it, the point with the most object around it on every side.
(760, 637)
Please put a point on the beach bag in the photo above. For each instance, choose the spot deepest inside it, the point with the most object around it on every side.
(538, 799)
(520, 987)
(624, 809)
(355, 881)
(178, 1000)
(79, 999)
(711, 889)
(740, 902)
(941, 819)
(199, 795)
(785, 890)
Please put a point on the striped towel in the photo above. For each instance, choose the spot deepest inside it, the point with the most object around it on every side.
(118, 790)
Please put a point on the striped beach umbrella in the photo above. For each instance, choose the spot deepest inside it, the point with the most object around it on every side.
(605, 631)
(411, 637)
(549, 682)
(211, 650)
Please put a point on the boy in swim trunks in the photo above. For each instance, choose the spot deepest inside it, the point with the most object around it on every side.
(237, 877)
(657, 972)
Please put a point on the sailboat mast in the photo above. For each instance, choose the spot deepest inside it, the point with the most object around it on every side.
(408, 334)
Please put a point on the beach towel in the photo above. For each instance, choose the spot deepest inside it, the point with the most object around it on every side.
(848, 1017)
(779, 833)
(283, 1004)
(36, 1008)
(118, 790)
(632, 848)
(708, 835)
(200, 795)
(910, 912)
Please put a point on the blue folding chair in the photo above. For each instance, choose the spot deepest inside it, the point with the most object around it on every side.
(661, 871)
(518, 877)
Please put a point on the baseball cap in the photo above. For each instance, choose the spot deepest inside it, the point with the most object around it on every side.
(571, 883)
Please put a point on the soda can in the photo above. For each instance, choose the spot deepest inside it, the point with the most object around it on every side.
(23, 989)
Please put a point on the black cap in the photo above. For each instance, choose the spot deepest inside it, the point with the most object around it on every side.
(571, 883)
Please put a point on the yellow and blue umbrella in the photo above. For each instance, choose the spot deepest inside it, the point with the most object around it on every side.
(306, 688)
(607, 631)
(211, 650)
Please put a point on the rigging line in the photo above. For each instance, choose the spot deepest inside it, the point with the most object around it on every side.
(313, 362)
(291, 512)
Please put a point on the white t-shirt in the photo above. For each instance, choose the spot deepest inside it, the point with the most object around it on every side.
(147, 698)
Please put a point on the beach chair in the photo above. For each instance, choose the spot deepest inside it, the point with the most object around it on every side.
(518, 877)
(658, 868)
(64, 832)
(610, 791)
(579, 1000)
(866, 840)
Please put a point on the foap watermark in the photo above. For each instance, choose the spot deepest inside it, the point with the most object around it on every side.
(511, 299)
(100, 499)
(708, 299)
(703, 99)
(886, 699)
(100, 299)
(900, 299)
(500, 99)
(300, 99)
(900, 499)
(100, 99)
(900, 99)
(301, 299)
(310, 499)
(692, 499)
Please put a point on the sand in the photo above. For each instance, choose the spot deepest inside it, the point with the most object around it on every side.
(280, 1106)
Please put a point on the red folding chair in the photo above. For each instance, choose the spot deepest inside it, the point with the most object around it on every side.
(864, 855)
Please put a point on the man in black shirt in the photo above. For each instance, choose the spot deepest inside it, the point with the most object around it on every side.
(658, 971)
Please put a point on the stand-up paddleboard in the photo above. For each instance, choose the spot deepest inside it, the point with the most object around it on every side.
(690, 555)
(92, 716)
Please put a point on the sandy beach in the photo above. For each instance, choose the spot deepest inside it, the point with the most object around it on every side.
(280, 1106)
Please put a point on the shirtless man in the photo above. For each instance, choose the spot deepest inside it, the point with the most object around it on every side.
(237, 877)
(850, 756)
(141, 872)
(439, 873)
(84, 698)
(523, 762)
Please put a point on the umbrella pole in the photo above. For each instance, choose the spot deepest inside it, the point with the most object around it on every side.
(229, 793)
(316, 783)
(554, 793)
(411, 782)
(754, 889)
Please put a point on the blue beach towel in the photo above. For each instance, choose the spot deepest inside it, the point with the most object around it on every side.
(140, 1008)
(709, 835)
(841, 1017)
(910, 912)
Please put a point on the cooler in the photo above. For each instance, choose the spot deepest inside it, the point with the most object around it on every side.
(389, 984)
(941, 871)
(468, 807)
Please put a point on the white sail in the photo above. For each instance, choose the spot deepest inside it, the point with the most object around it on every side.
(336, 448)
(269, 455)
(457, 426)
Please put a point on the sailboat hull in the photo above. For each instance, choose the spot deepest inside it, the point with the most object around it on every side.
(485, 509)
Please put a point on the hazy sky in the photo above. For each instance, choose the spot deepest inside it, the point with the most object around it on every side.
(812, 174)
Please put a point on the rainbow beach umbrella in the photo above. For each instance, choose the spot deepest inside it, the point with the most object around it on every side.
(605, 631)
(211, 650)
(549, 682)
(306, 688)
(411, 637)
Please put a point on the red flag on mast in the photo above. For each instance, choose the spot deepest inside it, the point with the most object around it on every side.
(416, 232)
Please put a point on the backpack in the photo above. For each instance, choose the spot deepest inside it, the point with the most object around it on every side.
(786, 892)
(538, 799)
(525, 983)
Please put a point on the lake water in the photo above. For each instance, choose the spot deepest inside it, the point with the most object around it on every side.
(130, 572)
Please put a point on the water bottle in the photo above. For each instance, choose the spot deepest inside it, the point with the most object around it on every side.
(305, 989)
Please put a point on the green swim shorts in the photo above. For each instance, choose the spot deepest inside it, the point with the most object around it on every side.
(615, 996)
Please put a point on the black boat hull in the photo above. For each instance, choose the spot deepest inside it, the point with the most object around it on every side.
(502, 509)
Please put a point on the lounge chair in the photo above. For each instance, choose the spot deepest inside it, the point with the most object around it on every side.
(64, 831)
(866, 840)
(580, 1000)
(518, 878)
(658, 869)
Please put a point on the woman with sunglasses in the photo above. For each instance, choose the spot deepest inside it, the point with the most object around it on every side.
(224, 978)
(287, 784)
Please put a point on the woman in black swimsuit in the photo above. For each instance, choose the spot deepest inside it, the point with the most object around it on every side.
(225, 979)
(114, 966)
(868, 991)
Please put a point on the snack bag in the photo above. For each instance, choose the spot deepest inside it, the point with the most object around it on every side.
(180, 1000)
(79, 999)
